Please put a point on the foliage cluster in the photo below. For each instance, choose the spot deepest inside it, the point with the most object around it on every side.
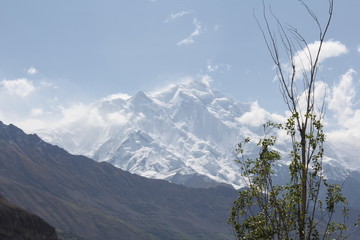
(304, 206)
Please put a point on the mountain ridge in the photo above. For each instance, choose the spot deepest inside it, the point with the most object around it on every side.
(99, 201)
(186, 129)
(169, 132)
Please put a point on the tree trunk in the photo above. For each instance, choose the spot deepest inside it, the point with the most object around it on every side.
(302, 224)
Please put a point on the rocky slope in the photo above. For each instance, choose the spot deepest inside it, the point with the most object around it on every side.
(18, 224)
(99, 201)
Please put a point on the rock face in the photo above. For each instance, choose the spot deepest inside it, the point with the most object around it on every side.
(18, 224)
(98, 201)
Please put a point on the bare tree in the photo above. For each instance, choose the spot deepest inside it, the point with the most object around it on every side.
(296, 209)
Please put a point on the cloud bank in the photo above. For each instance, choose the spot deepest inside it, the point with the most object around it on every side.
(346, 111)
(257, 116)
(20, 87)
(304, 58)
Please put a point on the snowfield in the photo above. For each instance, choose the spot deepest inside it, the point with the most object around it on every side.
(184, 130)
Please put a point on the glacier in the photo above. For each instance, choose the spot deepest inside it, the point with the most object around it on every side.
(184, 133)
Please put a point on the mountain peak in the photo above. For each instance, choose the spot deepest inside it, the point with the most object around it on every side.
(140, 97)
(194, 88)
(202, 84)
(189, 126)
(14, 134)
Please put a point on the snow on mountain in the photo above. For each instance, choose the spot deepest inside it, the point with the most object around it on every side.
(186, 129)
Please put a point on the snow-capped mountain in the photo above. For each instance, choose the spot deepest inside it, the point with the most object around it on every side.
(186, 132)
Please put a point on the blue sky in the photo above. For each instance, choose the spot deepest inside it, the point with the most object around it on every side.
(57, 53)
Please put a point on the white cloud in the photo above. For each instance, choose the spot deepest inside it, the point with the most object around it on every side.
(117, 118)
(122, 96)
(304, 57)
(212, 68)
(206, 80)
(83, 114)
(74, 118)
(216, 27)
(215, 67)
(319, 98)
(20, 87)
(171, 85)
(258, 116)
(32, 71)
(31, 125)
(358, 49)
(48, 85)
(342, 95)
(36, 112)
(190, 39)
(342, 104)
(345, 134)
(174, 16)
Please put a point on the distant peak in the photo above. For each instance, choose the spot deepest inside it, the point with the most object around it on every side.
(189, 85)
(202, 83)
(13, 133)
(141, 96)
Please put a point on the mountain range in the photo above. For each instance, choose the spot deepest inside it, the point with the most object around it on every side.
(185, 133)
(96, 201)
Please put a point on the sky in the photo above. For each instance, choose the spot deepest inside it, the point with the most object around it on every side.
(54, 54)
